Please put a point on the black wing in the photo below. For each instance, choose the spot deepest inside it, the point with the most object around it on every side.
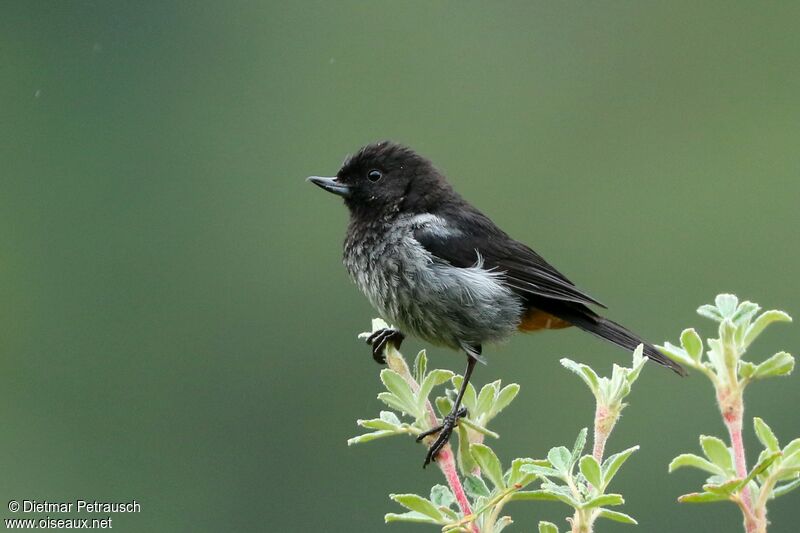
(470, 237)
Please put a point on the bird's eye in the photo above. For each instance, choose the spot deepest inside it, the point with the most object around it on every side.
(374, 175)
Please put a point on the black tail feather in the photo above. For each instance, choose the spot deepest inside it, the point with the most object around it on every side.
(589, 321)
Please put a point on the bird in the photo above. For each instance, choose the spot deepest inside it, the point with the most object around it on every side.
(438, 268)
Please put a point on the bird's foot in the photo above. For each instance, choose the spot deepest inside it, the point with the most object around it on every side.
(378, 342)
(445, 429)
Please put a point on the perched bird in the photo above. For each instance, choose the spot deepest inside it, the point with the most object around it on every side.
(438, 268)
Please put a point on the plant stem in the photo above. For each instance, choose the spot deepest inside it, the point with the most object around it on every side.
(731, 406)
(445, 459)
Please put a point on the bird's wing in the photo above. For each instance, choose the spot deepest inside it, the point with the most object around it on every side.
(473, 239)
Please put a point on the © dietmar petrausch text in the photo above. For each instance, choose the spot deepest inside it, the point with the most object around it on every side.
(101, 513)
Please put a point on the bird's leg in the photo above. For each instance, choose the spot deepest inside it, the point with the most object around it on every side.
(378, 342)
(449, 422)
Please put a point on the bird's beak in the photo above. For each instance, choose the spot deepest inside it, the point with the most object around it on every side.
(330, 185)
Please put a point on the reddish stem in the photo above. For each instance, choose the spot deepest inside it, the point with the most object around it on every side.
(445, 459)
(732, 408)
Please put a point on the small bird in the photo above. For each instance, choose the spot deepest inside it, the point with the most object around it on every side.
(438, 268)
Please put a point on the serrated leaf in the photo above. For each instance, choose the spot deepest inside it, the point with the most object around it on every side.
(785, 489)
(764, 319)
(415, 502)
(690, 459)
(617, 516)
(591, 471)
(561, 459)
(780, 364)
(366, 437)
(505, 397)
(585, 372)
(709, 311)
(547, 527)
(717, 452)
(577, 448)
(475, 487)
(702, 497)
(441, 496)
(745, 313)
(396, 385)
(726, 304)
(692, 344)
(765, 435)
(411, 516)
(489, 463)
(614, 462)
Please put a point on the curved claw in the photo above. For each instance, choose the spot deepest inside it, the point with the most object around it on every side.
(378, 341)
(445, 430)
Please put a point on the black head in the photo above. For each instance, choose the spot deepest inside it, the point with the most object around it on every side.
(384, 178)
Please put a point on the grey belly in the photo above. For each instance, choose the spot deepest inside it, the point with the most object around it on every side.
(443, 304)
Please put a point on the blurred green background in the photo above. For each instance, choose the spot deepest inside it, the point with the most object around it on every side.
(176, 326)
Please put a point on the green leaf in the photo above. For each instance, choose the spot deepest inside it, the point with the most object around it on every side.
(441, 496)
(505, 397)
(414, 502)
(702, 497)
(746, 369)
(470, 400)
(394, 402)
(585, 372)
(561, 459)
(366, 437)
(540, 470)
(727, 488)
(486, 398)
(614, 462)
(617, 516)
(547, 527)
(420, 366)
(784, 489)
(726, 304)
(557, 492)
(443, 405)
(517, 477)
(690, 459)
(537, 495)
(465, 461)
(692, 344)
(679, 355)
(502, 523)
(577, 448)
(717, 452)
(381, 423)
(709, 311)
(395, 384)
(489, 463)
(761, 467)
(411, 516)
(745, 313)
(475, 487)
(436, 377)
(764, 319)
(765, 435)
(780, 364)
(477, 427)
(604, 499)
(591, 471)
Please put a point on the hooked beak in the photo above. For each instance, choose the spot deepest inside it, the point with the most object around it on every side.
(330, 185)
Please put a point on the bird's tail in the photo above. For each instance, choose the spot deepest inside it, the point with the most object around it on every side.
(613, 332)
